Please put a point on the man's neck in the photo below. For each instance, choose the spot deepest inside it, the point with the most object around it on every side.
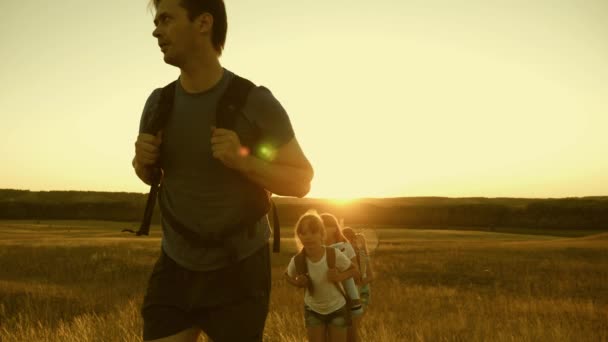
(201, 75)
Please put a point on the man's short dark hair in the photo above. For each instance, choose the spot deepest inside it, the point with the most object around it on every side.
(217, 9)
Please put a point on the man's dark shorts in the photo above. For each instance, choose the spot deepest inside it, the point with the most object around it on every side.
(229, 304)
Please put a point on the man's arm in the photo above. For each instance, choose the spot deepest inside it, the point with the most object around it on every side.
(147, 150)
(286, 173)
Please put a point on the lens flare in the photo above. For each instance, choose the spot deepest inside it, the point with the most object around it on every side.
(266, 152)
(244, 151)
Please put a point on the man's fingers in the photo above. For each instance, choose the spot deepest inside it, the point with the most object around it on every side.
(145, 152)
(145, 138)
(147, 159)
(223, 146)
(221, 132)
(145, 174)
(222, 138)
(147, 143)
(159, 138)
(145, 147)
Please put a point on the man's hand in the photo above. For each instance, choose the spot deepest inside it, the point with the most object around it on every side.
(226, 147)
(147, 155)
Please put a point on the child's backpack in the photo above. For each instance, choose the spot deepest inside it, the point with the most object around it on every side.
(229, 106)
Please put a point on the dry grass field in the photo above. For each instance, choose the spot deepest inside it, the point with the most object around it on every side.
(84, 281)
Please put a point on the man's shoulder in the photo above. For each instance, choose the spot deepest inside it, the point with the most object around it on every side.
(154, 96)
(262, 102)
(256, 93)
(151, 103)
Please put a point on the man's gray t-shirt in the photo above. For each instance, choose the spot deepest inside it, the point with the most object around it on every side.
(196, 188)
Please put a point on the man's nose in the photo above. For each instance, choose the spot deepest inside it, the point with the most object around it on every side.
(155, 33)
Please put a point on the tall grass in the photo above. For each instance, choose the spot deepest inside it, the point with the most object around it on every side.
(84, 281)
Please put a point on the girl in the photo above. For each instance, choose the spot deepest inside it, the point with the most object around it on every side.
(325, 313)
(363, 263)
(335, 238)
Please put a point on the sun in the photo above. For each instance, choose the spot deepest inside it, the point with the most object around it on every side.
(342, 200)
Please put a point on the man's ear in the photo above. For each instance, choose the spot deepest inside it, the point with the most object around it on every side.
(204, 22)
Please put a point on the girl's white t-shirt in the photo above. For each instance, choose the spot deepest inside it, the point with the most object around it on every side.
(346, 248)
(327, 298)
(349, 284)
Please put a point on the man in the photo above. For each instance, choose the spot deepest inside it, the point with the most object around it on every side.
(219, 291)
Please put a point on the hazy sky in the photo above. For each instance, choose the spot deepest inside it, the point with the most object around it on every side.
(388, 98)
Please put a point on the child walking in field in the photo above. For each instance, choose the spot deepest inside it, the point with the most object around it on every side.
(363, 262)
(320, 270)
(334, 238)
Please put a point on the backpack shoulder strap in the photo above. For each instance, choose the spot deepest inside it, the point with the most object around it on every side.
(161, 112)
(331, 263)
(232, 102)
(229, 106)
(330, 257)
(300, 261)
(156, 121)
(302, 268)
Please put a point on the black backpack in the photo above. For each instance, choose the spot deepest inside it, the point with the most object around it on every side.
(229, 106)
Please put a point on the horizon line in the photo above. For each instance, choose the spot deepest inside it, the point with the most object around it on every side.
(338, 199)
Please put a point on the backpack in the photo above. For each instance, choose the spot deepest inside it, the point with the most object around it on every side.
(330, 258)
(229, 106)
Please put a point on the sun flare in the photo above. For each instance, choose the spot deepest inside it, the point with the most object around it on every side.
(342, 200)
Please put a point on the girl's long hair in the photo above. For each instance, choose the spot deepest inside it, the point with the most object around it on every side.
(310, 220)
(329, 220)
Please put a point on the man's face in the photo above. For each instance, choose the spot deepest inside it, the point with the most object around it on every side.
(175, 33)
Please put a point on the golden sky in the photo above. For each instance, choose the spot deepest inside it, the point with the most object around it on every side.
(388, 98)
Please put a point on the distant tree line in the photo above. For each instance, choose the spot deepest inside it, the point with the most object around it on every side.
(554, 214)
(566, 213)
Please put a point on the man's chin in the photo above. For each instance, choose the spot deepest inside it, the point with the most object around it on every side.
(170, 60)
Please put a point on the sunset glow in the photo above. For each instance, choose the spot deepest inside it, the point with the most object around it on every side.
(390, 98)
